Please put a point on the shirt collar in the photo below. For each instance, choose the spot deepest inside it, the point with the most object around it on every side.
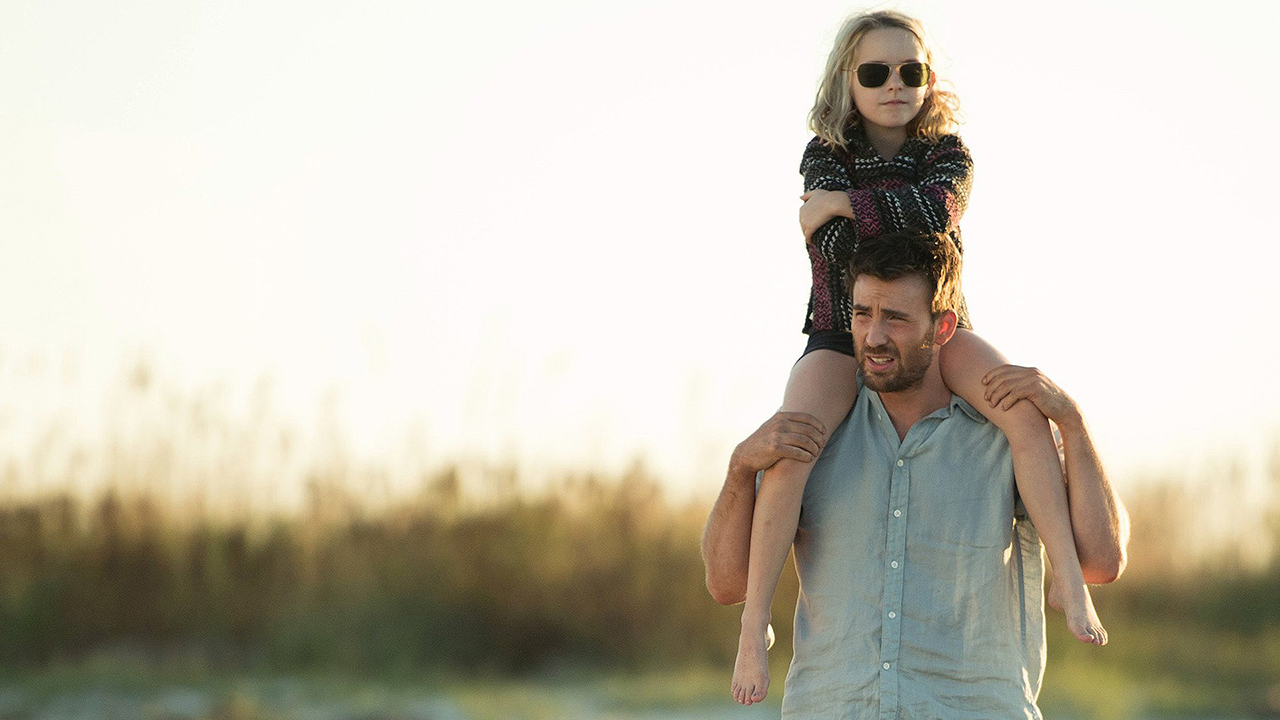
(941, 413)
(971, 411)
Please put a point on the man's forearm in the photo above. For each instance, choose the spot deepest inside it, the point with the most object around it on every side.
(1099, 520)
(726, 540)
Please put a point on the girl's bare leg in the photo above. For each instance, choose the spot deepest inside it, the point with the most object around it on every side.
(823, 384)
(1037, 470)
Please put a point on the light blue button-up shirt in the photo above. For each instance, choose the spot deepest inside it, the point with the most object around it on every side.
(921, 585)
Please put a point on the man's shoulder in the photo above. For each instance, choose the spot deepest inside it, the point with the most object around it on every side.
(968, 411)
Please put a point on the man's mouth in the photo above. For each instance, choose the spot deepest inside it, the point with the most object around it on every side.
(878, 363)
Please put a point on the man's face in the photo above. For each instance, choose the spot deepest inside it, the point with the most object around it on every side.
(894, 333)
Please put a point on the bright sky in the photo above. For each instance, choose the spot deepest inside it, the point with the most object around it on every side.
(564, 234)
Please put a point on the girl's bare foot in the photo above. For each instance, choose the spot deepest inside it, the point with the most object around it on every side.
(1082, 619)
(751, 669)
(1055, 595)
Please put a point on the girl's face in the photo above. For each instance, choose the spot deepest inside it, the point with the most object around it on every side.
(892, 105)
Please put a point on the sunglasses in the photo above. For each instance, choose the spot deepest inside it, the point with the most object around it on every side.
(874, 74)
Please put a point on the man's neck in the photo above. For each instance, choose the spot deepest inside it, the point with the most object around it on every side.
(906, 407)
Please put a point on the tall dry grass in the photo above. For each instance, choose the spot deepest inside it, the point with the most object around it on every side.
(474, 571)
(589, 572)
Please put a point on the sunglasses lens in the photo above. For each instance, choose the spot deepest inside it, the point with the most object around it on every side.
(914, 74)
(872, 74)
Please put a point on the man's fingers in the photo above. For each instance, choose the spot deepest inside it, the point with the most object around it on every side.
(805, 442)
(802, 436)
(996, 394)
(1012, 391)
(999, 374)
(791, 452)
(1004, 391)
(785, 443)
(804, 418)
(1004, 372)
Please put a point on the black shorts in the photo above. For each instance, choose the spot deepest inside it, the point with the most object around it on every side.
(839, 340)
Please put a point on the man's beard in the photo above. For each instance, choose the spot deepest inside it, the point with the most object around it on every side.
(910, 368)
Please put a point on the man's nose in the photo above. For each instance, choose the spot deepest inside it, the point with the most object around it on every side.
(876, 334)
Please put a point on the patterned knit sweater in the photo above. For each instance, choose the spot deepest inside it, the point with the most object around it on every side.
(924, 187)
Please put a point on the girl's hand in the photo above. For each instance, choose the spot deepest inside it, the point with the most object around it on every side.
(819, 207)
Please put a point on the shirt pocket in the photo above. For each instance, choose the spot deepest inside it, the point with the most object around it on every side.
(967, 522)
(974, 510)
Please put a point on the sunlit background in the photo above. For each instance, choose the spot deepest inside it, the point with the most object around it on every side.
(255, 253)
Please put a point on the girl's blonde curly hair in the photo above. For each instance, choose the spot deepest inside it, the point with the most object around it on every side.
(833, 111)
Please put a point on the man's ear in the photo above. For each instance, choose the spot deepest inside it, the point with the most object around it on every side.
(945, 327)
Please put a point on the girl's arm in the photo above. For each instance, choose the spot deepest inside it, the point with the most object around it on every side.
(823, 171)
(1099, 520)
(934, 204)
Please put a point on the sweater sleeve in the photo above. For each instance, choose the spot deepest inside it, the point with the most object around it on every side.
(934, 203)
(822, 170)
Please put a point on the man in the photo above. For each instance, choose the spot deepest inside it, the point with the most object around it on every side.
(921, 582)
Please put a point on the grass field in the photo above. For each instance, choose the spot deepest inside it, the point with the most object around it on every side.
(583, 599)
(112, 690)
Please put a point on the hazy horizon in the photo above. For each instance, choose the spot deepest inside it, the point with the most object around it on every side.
(563, 235)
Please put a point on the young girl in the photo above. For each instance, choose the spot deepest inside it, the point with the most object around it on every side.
(883, 160)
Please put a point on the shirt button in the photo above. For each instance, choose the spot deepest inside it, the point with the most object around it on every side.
(897, 513)
(899, 463)
(892, 614)
(885, 666)
(893, 564)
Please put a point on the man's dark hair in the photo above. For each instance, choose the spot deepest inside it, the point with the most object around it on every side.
(898, 254)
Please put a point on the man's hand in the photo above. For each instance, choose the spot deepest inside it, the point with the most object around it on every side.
(1008, 384)
(726, 540)
(819, 207)
(786, 435)
(1099, 520)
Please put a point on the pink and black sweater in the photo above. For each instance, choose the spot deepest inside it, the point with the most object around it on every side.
(924, 187)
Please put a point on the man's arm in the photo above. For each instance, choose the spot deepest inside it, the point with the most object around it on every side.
(1099, 520)
(726, 540)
